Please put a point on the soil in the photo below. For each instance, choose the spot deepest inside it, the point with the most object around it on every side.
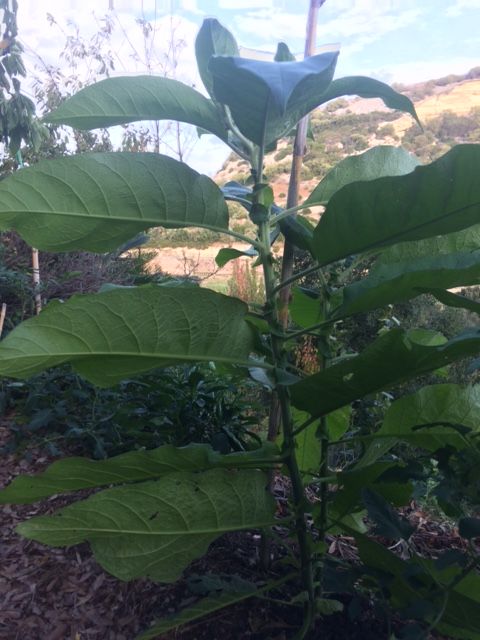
(63, 594)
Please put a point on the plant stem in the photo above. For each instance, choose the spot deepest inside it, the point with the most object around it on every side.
(299, 502)
(282, 393)
(297, 276)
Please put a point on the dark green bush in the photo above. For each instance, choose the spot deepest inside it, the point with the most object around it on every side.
(175, 406)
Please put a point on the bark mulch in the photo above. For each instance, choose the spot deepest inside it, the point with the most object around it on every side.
(63, 594)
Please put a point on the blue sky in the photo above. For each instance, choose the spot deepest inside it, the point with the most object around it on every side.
(403, 40)
(393, 40)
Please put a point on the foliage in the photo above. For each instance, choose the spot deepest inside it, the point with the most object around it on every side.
(414, 228)
(62, 275)
(16, 109)
(245, 283)
(174, 406)
(84, 61)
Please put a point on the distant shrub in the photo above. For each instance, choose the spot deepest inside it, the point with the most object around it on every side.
(281, 154)
(387, 131)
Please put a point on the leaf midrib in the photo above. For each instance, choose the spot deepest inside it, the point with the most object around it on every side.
(147, 221)
(182, 532)
(154, 356)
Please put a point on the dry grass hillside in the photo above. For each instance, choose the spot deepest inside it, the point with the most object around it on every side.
(365, 123)
(449, 109)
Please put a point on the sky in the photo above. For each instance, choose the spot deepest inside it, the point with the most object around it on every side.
(393, 40)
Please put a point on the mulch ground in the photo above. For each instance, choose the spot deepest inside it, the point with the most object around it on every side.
(63, 594)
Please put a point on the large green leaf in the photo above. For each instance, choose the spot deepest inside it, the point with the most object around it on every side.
(400, 281)
(439, 405)
(200, 609)
(212, 40)
(155, 529)
(464, 240)
(369, 88)
(98, 201)
(109, 336)
(72, 474)
(348, 498)
(438, 198)
(454, 300)
(374, 163)
(387, 521)
(267, 99)
(417, 580)
(236, 591)
(394, 357)
(121, 100)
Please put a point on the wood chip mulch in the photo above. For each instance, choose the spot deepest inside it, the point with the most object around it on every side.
(63, 594)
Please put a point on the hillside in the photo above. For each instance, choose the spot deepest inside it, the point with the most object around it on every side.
(448, 107)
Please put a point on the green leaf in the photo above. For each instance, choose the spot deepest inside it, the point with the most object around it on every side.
(439, 405)
(459, 241)
(267, 99)
(283, 53)
(298, 231)
(308, 447)
(213, 39)
(374, 163)
(328, 607)
(110, 336)
(369, 88)
(198, 610)
(387, 522)
(391, 359)
(438, 198)
(72, 474)
(417, 580)
(400, 281)
(469, 527)
(120, 100)
(338, 423)
(454, 300)
(98, 201)
(155, 529)
(227, 254)
(206, 606)
(348, 498)
(305, 308)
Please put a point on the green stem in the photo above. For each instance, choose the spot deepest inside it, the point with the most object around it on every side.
(297, 276)
(290, 211)
(279, 360)
(233, 127)
(299, 503)
(309, 330)
(247, 239)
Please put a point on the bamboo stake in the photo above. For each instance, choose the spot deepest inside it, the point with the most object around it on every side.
(299, 148)
(3, 313)
(36, 280)
(292, 201)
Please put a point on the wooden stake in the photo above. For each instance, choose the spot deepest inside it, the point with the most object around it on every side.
(3, 313)
(36, 280)
(299, 148)
(292, 201)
